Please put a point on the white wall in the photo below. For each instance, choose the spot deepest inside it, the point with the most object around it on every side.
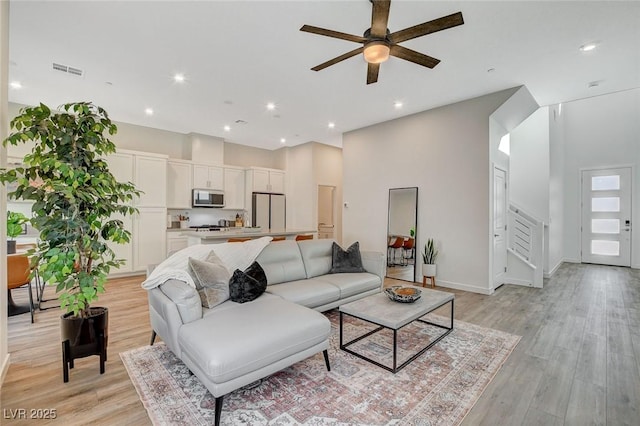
(4, 119)
(529, 165)
(402, 211)
(301, 197)
(327, 170)
(602, 131)
(555, 231)
(445, 153)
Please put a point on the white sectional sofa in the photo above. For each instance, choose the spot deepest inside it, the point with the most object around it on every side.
(233, 344)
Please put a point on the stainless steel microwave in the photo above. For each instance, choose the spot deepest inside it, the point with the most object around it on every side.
(207, 198)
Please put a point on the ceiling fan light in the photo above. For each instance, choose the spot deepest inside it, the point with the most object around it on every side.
(376, 52)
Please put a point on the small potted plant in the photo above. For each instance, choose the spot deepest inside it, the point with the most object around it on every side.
(429, 256)
(15, 220)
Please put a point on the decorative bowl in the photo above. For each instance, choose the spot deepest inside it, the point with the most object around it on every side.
(402, 294)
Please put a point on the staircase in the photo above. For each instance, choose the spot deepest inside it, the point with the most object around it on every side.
(525, 250)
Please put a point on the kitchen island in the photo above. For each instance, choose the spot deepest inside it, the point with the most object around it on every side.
(216, 237)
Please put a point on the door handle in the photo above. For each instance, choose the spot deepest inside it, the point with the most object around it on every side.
(496, 235)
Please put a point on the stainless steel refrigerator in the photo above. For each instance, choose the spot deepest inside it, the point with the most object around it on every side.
(269, 211)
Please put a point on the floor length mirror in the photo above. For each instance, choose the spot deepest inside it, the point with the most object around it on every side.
(401, 233)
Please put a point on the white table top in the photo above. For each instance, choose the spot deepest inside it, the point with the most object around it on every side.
(381, 310)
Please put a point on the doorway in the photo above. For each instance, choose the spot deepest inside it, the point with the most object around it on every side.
(499, 227)
(326, 208)
(606, 216)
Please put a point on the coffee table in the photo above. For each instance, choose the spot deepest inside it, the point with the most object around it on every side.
(378, 309)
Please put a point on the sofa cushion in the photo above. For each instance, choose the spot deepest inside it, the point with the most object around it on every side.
(248, 285)
(211, 278)
(310, 293)
(352, 283)
(316, 255)
(282, 262)
(251, 336)
(348, 260)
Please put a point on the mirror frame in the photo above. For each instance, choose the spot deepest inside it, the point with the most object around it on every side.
(415, 227)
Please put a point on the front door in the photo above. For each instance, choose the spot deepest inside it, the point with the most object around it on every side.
(606, 216)
(499, 226)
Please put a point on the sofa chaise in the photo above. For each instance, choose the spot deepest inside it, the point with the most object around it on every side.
(234, 344)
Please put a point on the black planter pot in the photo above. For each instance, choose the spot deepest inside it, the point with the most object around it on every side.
(11, 246)
(82, 337)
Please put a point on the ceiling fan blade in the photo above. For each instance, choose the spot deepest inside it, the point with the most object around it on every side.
(425, 28)
(380, 18)
(413, 56)
(331, 33)
(338, 59)
(372, 73)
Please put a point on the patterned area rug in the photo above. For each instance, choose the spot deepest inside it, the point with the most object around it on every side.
(438, 388)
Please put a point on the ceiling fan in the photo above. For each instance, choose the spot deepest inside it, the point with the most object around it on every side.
(378, 42)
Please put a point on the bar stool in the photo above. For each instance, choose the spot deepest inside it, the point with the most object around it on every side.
(274, 239)
(407, 246)
(238, 240)
(304, 237)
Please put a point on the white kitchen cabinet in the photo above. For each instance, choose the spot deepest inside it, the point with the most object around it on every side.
(149, 237)
(266, 180)
(208, 177)
(150, 173)
(121, 166)
(176, 242)
(123, 251)
(234, 188)
(179, 184)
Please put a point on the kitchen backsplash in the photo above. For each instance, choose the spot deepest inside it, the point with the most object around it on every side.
(201, 216)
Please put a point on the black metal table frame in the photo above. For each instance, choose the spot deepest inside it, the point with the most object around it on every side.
(396, 368)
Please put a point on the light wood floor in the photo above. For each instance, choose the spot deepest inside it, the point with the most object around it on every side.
(578, 362)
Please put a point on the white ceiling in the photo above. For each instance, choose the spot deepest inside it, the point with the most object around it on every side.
(237, 56)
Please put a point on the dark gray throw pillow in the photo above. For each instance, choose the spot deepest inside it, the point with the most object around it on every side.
(346, 261)
(248, 285)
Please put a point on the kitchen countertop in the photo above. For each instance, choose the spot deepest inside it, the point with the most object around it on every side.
(234, 233)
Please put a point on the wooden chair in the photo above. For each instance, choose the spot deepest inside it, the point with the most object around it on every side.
(407, 250)
(18, 271)
(391, 250)
(304, 237)
(278, 239)
(237, 240)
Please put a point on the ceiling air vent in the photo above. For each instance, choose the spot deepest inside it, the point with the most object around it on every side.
(67, 69)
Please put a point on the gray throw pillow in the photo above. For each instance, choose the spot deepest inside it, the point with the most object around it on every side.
(211, 278)
(346, 261)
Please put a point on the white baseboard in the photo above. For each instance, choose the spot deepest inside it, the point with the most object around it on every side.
(464, 287)
(5, 368)
(554, 269)
(517, 281)
(570, 260)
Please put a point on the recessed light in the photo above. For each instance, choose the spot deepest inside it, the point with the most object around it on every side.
(227, 128)
(283, 140)
(491, 70)
(15, 85)
(178, 78)
(332, 125)
(593, 84)
(148, 111)
(271, 106)
(108, 83)
(397, 104)
(588, 47)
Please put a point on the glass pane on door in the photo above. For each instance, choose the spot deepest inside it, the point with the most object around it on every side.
(605, 226)
(605, 248)
(605, 204)
(605, 183)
